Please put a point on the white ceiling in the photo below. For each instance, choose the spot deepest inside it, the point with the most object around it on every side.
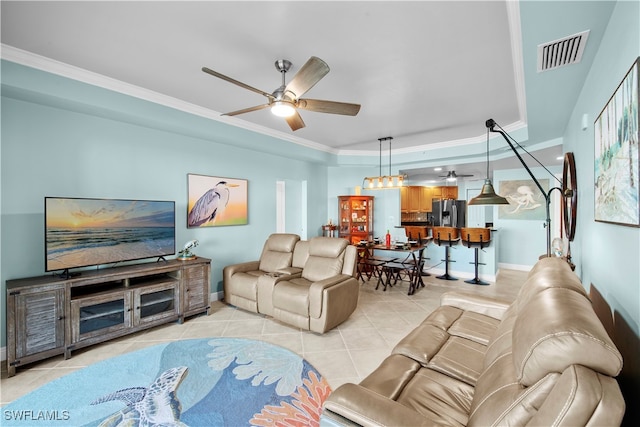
(425, 72)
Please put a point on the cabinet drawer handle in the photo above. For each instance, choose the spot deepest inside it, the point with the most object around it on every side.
(61, 318)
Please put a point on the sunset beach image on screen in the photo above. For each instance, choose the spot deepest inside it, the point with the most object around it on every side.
(84, 232)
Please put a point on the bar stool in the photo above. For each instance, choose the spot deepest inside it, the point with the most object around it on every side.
(447, 237)
(477, 238)
(418, 233)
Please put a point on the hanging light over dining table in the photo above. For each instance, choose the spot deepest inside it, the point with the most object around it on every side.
(381, 181)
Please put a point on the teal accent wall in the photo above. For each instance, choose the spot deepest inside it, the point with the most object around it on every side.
(66, 138)
(606, 255)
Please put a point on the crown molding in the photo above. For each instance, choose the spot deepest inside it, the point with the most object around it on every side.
(62, 69)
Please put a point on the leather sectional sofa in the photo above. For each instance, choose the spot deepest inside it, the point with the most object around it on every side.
(308, 284)
(543, 360)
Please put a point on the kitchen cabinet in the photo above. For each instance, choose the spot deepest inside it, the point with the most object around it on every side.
(420, 198)
(450, 192)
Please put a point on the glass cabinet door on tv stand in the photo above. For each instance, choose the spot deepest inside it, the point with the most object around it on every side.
(355, 216)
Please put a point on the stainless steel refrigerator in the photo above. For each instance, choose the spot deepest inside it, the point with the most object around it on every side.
(449, 213)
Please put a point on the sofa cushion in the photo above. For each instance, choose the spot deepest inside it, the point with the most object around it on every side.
(459, 358)
(440, 398)
(326, 256)
(292, 296)
(550, 272)
(502, 340)
(244, 284)
(500, 400)
(558, 328)
(391, 376)
(278, 252)
(443, 317)
(475, 327)
(300, 254)
(581, 397)
(422, 343)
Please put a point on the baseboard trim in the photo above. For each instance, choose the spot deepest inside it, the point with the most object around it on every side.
(518, 267)
(461, 274)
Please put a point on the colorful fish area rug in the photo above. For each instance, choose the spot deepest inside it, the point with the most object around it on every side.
(202, 382)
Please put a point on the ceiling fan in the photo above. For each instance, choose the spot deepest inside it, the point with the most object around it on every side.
(286, 99)
(453, 176)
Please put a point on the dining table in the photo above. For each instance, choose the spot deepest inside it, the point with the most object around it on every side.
(413, 261)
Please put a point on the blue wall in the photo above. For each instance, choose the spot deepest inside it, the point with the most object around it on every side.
(606, 255)
(93, 143)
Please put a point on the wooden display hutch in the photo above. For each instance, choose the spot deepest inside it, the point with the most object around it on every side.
(355, 214)
(49, 315)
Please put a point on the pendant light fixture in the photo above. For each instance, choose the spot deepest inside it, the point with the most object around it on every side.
(488, 195)
(382, 182)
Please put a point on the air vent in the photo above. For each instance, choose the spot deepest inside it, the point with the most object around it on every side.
(562, 52)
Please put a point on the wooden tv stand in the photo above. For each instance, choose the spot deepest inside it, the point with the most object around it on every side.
(49, 315)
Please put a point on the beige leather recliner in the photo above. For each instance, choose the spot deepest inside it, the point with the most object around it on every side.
(249, 285)
(544, 360)
(319, 289)
(326, 292)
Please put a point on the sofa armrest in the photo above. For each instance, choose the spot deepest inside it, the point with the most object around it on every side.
(292, 271)
(368, 408)
(316, 290)
(232, 269)
(491, 307)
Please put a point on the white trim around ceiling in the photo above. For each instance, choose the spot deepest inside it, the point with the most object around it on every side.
(513, 17)
(62, 69)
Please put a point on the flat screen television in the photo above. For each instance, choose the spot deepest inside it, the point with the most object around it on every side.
(82, 232)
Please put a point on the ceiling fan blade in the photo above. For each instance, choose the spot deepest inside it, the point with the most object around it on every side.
(311, 72)
(295, 121)
(331, 107)
(247, 110)
(236, 82)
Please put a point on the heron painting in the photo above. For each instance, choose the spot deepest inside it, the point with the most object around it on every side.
(216, 201)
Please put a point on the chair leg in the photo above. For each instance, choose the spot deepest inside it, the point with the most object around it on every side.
(446, 275)
(476, 280)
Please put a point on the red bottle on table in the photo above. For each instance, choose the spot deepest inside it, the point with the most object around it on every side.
(387, 239)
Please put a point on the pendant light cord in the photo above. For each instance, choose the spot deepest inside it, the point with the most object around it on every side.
(487, 153)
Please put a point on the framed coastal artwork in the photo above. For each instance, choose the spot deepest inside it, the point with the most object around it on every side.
(526, 202)
(216, 201)
(616, 137)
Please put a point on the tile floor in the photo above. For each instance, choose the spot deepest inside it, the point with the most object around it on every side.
(347, 353)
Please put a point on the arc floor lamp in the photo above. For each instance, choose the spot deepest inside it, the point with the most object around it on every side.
(567, 187)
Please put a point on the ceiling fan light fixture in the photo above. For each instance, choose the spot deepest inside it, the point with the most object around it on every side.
(283, 109)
